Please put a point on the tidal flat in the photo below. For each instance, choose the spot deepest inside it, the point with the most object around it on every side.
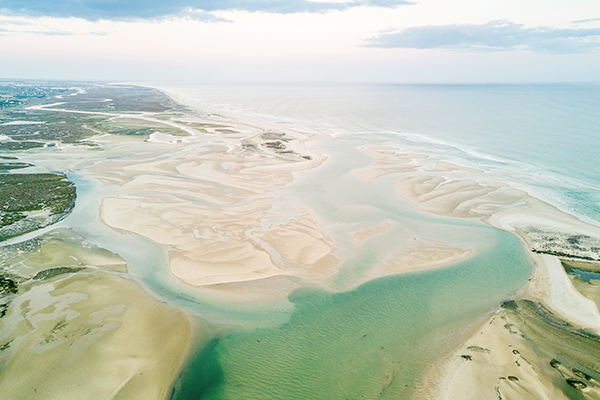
(74, 326)
(201, 253)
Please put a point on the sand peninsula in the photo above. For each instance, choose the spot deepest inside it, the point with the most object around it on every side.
(543, 344)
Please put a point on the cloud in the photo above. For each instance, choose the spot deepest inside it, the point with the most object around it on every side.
(4, 31)
(19, 27)
(94, 10)
(495, 35)
(583, 21)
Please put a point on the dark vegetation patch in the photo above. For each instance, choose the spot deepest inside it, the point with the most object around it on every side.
(272, 135)
(15, 165)
(277, 145)
(11, 145)
(52, 272)
(57, 126)
(8, 285)
(107, 98)
(22, 193)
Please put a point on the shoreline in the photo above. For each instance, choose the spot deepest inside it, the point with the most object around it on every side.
(211, 200)
(82, 318)
(539, 225)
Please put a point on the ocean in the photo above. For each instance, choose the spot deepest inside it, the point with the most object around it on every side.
(543, 135)
(383, 337)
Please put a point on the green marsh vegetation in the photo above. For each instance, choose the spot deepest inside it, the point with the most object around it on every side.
(23, 194)
(32, 128)
(33, 201)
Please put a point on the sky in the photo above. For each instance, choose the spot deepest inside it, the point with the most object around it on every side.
(223, 41)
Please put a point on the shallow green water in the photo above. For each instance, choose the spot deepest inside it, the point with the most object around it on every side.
(375, 340)
(370, 340)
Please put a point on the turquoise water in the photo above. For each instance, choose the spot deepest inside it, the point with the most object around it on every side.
(380, 338)
(356, 340)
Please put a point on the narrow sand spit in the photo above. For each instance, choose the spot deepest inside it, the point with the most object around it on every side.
(366, 233)
(446, 166)
(424, 254)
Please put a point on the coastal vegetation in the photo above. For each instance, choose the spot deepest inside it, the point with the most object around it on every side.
(32, 201)
(31, 120)
(6, 166)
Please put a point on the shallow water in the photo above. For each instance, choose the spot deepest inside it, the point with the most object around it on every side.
(380, 337)
(354, 339)
(361, 340)
(544, 135)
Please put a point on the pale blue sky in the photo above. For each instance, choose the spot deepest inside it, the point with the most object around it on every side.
(302, 40)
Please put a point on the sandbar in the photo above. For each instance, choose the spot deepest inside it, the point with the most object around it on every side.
(388, 160)
(212, 208)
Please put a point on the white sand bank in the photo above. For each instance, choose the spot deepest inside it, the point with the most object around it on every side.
(421, 254)
(211, 209)
(425, 254)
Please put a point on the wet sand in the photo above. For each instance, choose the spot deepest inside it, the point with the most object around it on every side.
(79, 329)
(210, 201)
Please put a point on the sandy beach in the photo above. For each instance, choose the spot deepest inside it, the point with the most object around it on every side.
(489, 366)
